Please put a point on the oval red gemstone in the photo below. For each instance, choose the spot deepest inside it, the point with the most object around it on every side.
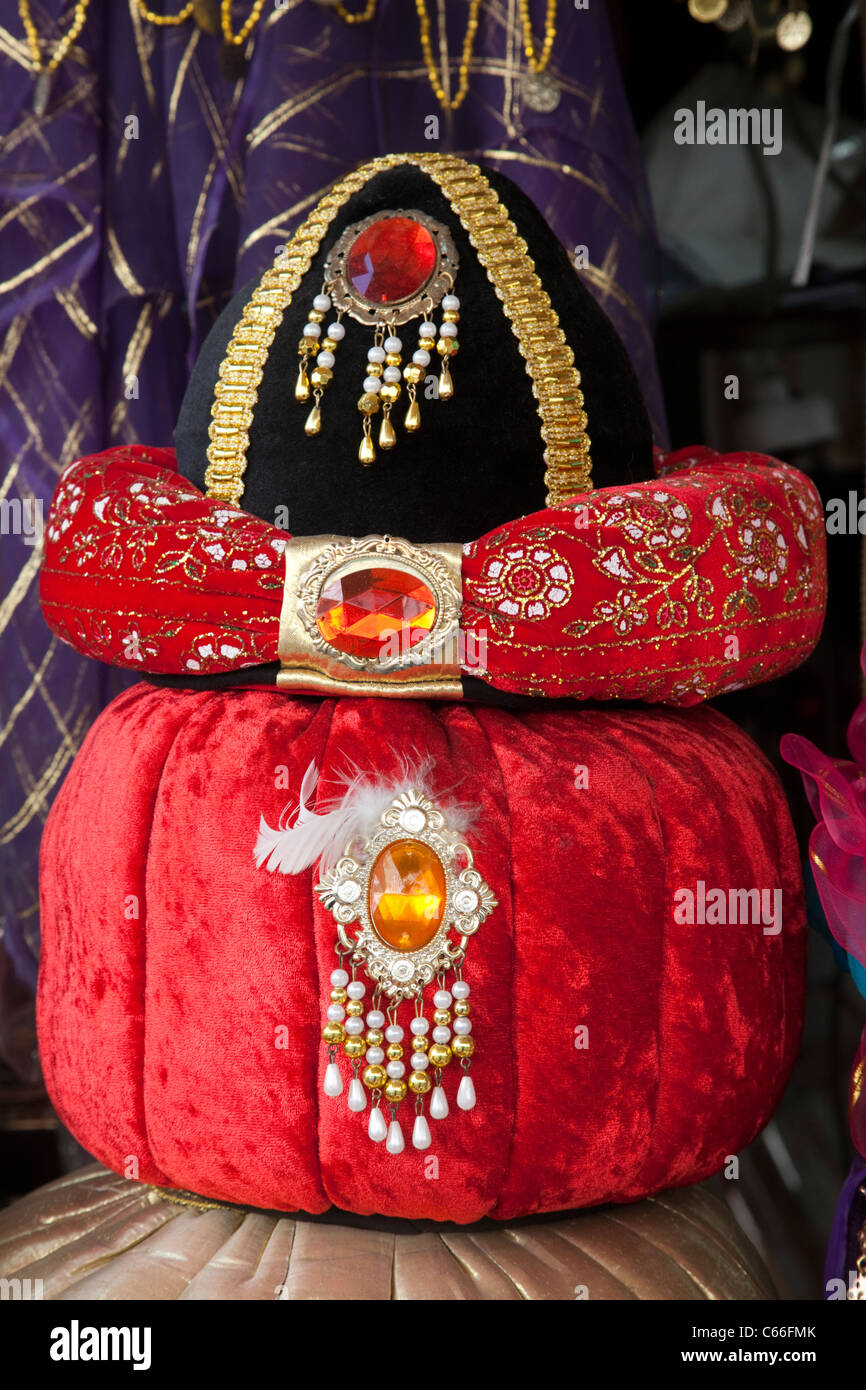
(391, 260)
(375, 612)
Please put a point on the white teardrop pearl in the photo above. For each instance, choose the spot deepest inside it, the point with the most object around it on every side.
(377, 1128)
(466, 1093)
(438, 1103)
(333, 1083)
(421, 1138)
(395, 1143)
(357, 1098)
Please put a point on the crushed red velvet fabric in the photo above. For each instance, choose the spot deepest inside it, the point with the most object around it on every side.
(709, 578)
(170, 961)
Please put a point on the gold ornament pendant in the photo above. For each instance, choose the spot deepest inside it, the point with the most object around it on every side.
(540, 91)
(384, 271)
(406, 901)
(401, 883)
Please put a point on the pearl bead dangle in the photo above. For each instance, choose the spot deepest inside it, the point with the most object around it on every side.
(323, 349)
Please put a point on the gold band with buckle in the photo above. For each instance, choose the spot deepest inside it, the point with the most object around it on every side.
(312, 664)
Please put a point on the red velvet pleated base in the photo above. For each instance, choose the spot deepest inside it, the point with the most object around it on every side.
(171, 963)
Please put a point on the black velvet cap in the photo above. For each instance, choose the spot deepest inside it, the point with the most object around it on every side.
(477, 460)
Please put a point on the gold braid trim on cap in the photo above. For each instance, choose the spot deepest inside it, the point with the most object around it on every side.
(511, 271)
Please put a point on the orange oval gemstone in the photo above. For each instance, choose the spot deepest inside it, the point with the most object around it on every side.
(375, 612)
(407, 895)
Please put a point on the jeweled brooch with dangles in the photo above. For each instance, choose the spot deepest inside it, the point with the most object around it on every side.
(384, 272)
(406, 897)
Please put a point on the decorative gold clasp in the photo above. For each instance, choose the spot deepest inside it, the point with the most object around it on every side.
(398, 900)
(375, 616)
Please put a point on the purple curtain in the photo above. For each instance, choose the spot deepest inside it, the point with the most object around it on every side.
(152, 185)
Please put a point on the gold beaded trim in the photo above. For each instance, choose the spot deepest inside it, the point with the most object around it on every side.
(511, 271)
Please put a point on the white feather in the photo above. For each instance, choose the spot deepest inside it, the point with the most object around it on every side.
(352, 815)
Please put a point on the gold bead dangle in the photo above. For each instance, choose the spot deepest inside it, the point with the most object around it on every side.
(313, 422)
(412, 421)
(302, 385)
(313, 346)
(387, 436)
(447, 345)
(383, 360)
(367, 449)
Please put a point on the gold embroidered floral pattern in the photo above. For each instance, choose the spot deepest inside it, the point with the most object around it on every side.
(215, 650)
(525, 581)
(622, 611)
(133, 534)
(690, 571)
(126, 524)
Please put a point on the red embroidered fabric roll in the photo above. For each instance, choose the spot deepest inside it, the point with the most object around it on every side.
(707, 579)
(171, 963)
